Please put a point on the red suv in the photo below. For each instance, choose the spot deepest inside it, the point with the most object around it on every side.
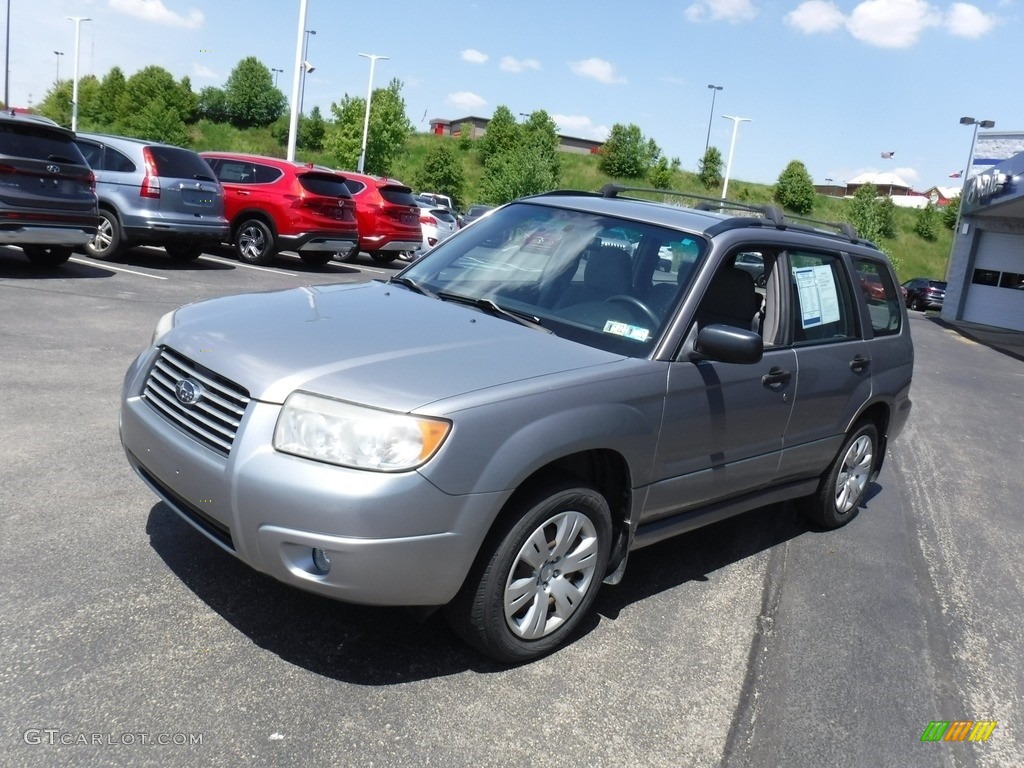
(389, 219)
(277, 205)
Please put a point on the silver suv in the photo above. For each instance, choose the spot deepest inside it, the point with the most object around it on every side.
(47, 191)
(526, 405)
(153, 194)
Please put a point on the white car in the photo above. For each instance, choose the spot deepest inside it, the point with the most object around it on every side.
(437, 223)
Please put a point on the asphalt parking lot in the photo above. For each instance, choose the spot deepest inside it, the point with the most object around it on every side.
(128, 640)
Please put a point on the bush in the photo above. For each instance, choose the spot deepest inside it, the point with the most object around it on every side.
(794, 190)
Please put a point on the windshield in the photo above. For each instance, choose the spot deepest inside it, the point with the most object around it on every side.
(605, 282)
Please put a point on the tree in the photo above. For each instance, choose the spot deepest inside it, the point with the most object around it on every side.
(502, 134)
(156, 121)
(794, 189)
(660, 175)
(252, 99)
(311, 131)
(136, 105)
(442, 172)
(866, 213)
(927, 224)
(56, 105)
(111, 90)
(710, 168)
(213, 105)
(388, 131)
(516, 173)
(950, 213)
(627, 154)
(540, 132)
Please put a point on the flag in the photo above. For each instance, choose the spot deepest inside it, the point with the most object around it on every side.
(887, 155)
(956, 174)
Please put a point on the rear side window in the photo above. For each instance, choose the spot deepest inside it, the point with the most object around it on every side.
(38, 144)
(245, 172)
(355, 187)
(397, 195)
(176, 163)
(880, 293)
(822, 304)
(325, 184)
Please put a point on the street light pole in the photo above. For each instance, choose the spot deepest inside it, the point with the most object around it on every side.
(714, 92)
(58, 54)
(74, 87)
(732, 146)
(306, 67)
(967, 172)
(369, 95)
(293, 119)
(276, 72)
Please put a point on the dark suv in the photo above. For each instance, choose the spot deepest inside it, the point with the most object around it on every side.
(152, 194)
(924, 293)
(47, 190)
(526, 405)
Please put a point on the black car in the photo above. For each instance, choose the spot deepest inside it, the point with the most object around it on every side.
(47, 190)
(924, 293)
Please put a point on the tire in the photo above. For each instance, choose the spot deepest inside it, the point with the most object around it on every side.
(383, 257)
(254, 242)
(518, 603)
(316, 259)
(184, 252)
(108, 242)
(837, 500)
(47, 255)
(349, 257)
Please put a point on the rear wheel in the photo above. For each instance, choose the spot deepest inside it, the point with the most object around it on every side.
(184, 252)
(383, 257)
(537, 574)
(349, 257)
(107, 243)
(842, 487)
(47, 256)
(316, 259)
(254, 242)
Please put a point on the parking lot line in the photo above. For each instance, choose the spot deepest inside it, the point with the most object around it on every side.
(104, 264)
(247, 266)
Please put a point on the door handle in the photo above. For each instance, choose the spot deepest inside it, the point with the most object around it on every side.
(859, 363)
(775, 378)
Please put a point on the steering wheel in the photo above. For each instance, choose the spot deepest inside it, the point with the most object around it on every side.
(635, 303)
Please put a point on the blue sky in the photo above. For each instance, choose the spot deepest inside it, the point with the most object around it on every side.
(832, 83)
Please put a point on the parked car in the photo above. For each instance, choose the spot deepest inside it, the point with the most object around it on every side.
(275, 205)
(512, 420)
(152, 194)
(47, 190)
(923, 293)
(437, 224)
(752, 263)
(389, 218)
(474, 212)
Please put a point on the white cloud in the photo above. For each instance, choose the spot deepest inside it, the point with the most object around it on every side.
(158, 13)
(581, 127)
(965, 20)
(892, 23)
(816, 16)
(204, 72)
(598, 69)
(474, 56)
(465, 100)
(510, 64)
(734, 11)
(909, 175)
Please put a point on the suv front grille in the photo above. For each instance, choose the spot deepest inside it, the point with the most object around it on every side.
(213, 418)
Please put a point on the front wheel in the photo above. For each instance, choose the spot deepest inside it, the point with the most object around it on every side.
(47, 255)
(383, 257)
(107, 242)
(842, 487)
(254, 242)
(537, 574)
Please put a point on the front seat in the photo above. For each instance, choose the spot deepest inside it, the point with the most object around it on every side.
(731, 299)
(608, 272)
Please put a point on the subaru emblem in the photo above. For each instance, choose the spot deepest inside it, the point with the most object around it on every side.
(188, 391)
(53, 168)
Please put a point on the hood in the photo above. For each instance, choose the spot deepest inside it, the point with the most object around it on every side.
(370, 343)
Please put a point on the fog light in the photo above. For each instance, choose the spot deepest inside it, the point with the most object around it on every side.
(321, 561)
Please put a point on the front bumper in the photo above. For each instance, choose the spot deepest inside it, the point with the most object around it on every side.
(392, 539)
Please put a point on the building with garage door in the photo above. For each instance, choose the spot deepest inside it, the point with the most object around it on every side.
(985, 274)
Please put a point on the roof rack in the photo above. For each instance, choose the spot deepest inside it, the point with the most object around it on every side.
(769, 212)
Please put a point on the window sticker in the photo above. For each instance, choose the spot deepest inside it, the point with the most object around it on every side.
(819, 300)
(628, 331)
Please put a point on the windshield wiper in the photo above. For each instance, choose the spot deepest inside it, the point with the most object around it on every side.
(489, 306)
(60, 159)
(412, 285)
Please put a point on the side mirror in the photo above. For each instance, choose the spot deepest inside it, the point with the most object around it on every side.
(726, 344)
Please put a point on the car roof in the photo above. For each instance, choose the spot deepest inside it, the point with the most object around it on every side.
(18, 117)
(129, 140)
(278, 161)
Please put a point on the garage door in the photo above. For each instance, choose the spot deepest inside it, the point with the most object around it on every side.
(995, 295)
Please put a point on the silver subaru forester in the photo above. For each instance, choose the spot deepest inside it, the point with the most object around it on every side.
(575, 376)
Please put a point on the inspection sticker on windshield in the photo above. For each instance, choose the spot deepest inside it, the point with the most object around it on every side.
(629, 331)
(819, 301)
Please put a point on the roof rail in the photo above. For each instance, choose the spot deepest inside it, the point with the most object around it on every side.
(771, 213)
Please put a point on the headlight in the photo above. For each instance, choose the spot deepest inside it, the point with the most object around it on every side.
(355, 436)
(163, 325)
